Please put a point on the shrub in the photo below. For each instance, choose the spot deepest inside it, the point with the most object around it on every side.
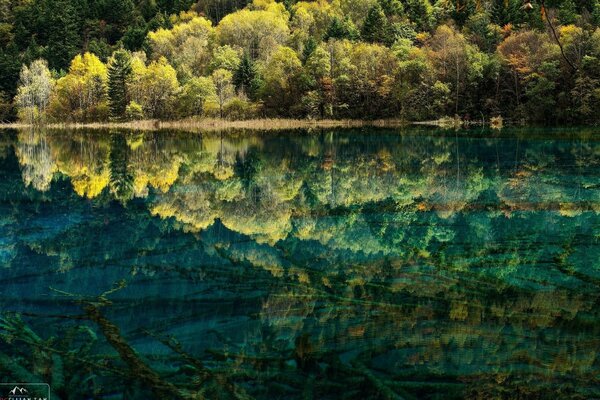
(134, 111)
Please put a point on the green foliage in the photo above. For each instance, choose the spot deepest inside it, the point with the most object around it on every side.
(281, 80)
(119, 72)
(196, 93)
(392, 8)
(342, 29)
(155, 87)
(7, 111)
(375, 27)
(567, 12)
(134, 111)
(421, 12)
(63, 30)
(224, 88)
(596, 12)
(245, 77)
(506, 12)
(121, 179)
(240, 109)
(342, 59)
(225, 57)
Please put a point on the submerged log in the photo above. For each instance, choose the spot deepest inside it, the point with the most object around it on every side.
(138, 368)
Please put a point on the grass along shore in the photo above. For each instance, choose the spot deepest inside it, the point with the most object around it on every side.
(215, 124)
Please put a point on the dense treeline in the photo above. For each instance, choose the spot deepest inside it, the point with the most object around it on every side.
(414, 59)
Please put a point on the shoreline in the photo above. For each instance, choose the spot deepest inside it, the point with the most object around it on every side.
(211, 124)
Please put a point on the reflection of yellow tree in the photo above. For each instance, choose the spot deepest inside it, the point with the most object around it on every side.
(85, 160)
(272, 195)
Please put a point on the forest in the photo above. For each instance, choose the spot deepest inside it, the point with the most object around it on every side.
(123, 60)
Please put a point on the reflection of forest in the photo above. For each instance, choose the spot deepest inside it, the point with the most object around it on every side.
(470, 260)
(256, 186)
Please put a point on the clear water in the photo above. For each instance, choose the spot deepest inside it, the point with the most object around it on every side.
(358, 264)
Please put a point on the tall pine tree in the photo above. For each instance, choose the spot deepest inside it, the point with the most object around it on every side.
(119, 69)
(245, 78)
(62, 25)
(375, 28)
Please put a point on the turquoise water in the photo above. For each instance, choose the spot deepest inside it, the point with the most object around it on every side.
(338, 264)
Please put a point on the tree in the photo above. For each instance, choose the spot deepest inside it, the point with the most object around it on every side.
(575, 42)
(119, 71)
(154, 87)
(81, 94)
(506, 12)
(567, 12)
(222, 79)
(454, 59)
(341, 29)
(371, 80)
(355, 10)
(33, 93)
(118, 14)
(392, 8)
(10, 65)
(420, 12)
(186, 47)
(596, 12)
(319, 100)
(224, 57)
(121, 180)
(524, 53)
(281, 73)
(258, 32)
(245, 77)
(310, 20)
(62, 24)
(376, 27)
(196, 94)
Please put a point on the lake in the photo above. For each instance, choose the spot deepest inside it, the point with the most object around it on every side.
(411, 263)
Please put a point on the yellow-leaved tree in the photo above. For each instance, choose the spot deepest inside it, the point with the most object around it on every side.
(154, 87)
(257, 30)
(186, 46)
(81, 95)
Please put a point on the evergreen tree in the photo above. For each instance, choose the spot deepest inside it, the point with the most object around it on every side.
(10, 65)
(596, 12)
(309, 48)
(119, 69)
(341, 29)
(64, 38)
(420, 12)
(119, 14)
(507, 12)
(245, 77)
(567, 12)
(392, 8)
(375, 28)
(121, 180)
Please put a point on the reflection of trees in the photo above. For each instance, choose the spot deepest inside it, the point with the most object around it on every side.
(84, 159)
(121, 180)
(421, 266)
(36, 160)
(344, 193)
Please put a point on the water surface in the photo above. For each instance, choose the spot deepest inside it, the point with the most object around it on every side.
(359, 264)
